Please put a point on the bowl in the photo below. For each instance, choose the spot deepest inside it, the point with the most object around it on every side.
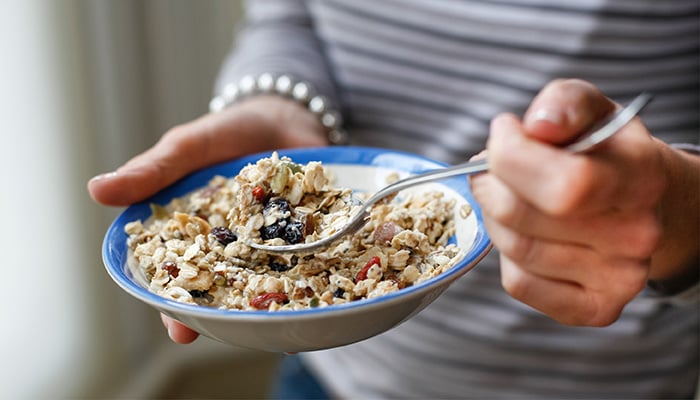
(359, 168)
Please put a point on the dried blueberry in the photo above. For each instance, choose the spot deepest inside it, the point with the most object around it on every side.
(223, 235)
(278, 266)
(294, 232)
(201, 296)
(339, 292)
(273, 231)
(276, 204)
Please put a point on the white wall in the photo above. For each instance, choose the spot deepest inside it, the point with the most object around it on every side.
(84, 85)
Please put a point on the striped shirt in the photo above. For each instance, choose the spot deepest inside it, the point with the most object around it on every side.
(427, 77)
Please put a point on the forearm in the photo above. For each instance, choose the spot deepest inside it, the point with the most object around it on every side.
(675, 264)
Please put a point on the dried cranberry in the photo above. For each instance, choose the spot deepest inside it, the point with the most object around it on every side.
(362, 275)
(273, 231)
(223, 235)
(263, 301)
(294, 232)
(278, 266)
(171, 268)
(259, 193)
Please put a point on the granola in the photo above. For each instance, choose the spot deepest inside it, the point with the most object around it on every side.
(194, 249)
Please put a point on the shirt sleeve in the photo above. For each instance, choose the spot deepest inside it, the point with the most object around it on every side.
(278, 38)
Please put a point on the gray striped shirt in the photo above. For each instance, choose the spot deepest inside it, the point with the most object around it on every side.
(427, 76)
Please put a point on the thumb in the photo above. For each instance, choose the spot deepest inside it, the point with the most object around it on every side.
(563, 110)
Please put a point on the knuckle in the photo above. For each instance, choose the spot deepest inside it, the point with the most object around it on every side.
(514, 284)
(508, 211)
(570, 192)
(520, 249)
(632, 281)
(645, 237)
(596, 312)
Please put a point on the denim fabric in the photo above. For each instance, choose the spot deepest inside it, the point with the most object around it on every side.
(295, 381)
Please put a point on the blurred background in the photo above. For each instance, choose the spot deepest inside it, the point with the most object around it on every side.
(85, 85)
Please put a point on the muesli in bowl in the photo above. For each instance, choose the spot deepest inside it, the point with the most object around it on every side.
(421, 248)
(195, 249)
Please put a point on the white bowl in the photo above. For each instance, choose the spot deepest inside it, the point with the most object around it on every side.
(359, 168)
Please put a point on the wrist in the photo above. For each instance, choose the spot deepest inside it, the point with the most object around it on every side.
(675, 262)
(288, 88)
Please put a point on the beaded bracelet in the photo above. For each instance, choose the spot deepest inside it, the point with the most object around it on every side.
(287, 87)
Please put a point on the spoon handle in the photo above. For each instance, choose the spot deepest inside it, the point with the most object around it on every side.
(467, 168)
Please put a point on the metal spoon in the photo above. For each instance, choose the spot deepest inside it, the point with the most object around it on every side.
(600, 132)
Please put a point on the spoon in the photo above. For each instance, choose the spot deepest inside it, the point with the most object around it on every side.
(597, 134)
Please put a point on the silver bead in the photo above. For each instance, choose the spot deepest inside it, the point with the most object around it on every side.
(217, 104)
(246, 85)
(266, 83)
(284, 85)
(337, 136)
(331, 120)
(230, 93)
(301, 92)
(317, 104)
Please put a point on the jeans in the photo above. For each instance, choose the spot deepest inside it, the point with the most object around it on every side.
(295, 381)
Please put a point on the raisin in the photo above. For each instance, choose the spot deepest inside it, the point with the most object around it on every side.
(294, 232)
(309, 224)
(339, 292)
(263, 301)
(273, 231)
(223, 235)
(171, 268)
(278, 266)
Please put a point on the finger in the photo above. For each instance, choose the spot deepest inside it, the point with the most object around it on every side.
(552, 179)
(566, 302)
(181, 150)
(634, 235)
(564, 109)
(549, 259)
(178, 332)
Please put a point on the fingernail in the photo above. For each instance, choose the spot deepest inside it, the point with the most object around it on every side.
(167, 325)
(170, 332)
(106, 175)
(546, 115)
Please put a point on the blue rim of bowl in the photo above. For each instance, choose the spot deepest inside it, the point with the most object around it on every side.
(114, 251)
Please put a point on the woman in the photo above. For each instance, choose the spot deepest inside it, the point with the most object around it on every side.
(594, 289)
